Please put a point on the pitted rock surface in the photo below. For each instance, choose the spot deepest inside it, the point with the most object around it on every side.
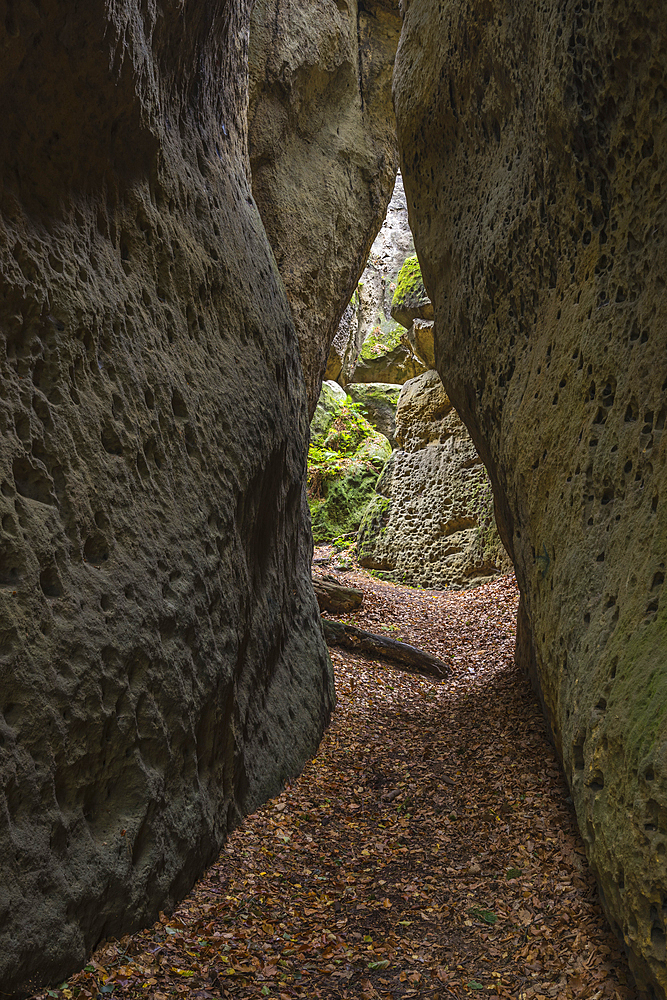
(323, 152)
(431, 522)
(163, 668)
(534, 157)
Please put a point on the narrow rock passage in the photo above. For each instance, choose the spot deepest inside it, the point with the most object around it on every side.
(429, 850)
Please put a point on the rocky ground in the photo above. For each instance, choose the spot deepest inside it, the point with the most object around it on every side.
(429, 850)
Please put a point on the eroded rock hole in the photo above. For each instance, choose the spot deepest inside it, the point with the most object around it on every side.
(96, 549)
(32, 482)
(111, 441)
(49, 582)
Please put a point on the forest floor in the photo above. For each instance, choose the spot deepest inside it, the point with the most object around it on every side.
(429, 850)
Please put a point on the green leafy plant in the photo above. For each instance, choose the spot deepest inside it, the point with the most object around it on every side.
(480, 913)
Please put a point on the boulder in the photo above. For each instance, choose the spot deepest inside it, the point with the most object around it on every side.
(327, 409)
(378, 401)
(410, 301)
(323, 151)
(163, 666)
(422, 341)
(394, 367)
(534, 157)
(431, 521)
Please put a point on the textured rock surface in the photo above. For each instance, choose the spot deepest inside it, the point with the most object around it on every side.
(346, 345)
(162, 662)
(431, 522)
(328, 405)
(392, 245)
(368, 316)
(422, 341)
(323, 151)
(534, 156)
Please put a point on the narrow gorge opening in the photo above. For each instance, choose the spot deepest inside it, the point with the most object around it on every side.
(189, 194)
(394, 480)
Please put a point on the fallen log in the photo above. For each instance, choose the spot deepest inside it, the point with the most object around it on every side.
(337, 634)
(333, 597)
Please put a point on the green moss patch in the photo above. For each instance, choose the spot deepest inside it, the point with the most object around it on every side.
(382, 339)
(409, 284)
(344, 461)
(410, 299)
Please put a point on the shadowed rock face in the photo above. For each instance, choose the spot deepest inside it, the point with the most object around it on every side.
(533, 154)
(323, 152)
(160, 651)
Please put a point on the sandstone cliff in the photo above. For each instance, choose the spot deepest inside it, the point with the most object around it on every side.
(323, 151)
(534, 157)
(162, 663)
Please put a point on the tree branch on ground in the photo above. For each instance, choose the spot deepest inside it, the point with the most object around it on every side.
(416, 660)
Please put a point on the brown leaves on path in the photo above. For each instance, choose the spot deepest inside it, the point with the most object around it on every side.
(429, 850)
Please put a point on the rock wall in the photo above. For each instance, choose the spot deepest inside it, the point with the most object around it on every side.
(377, 402)
(163, 668)
(345, 346)
(431, 521)
(323, 151)
(534, 157)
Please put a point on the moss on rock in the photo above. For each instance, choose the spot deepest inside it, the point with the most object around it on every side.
(345, 457)
(383, 338)
(410, 299)
(378, 401)
(409, 281)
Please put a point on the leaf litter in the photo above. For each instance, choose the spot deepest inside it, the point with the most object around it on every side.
(429, 850)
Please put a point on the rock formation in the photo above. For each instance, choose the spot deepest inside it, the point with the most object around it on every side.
(393, 366)
(323, 151)
(422, 341)
(431, 521)
(378, 402)
(534, 157)
(391, 247)
(163, 668)
(367, 332)
(413, 309)
(410, 300)
(346, 345)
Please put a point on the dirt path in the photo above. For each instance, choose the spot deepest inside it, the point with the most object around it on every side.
(428, 851)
